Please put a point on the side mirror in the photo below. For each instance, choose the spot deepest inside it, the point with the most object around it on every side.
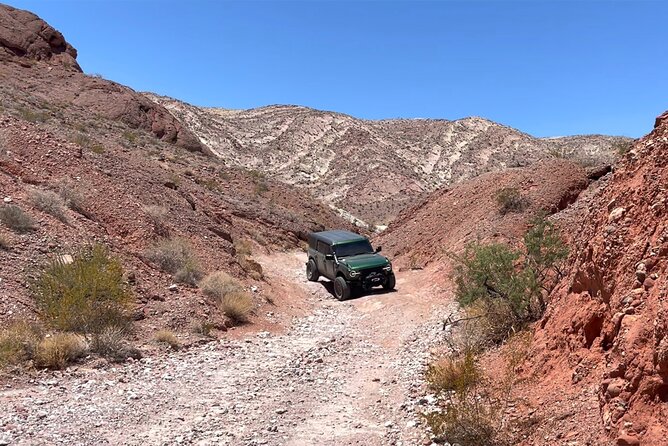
(379, 249)
(329, 256)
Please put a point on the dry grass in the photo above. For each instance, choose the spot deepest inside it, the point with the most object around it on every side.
(219, 284)
(18, 343)
(457, 373)
(5, 244)
(175, 256)
(49, 202)
(57, 351)
(157, 215)
(17, 219)
(109, 342)
(74, 199)
(168, 338)
(237, 306)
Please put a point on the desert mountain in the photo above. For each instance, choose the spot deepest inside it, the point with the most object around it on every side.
(131, 175)
(373, 169)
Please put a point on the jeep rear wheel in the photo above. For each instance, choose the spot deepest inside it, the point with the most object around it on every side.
(341, 288)
(390, 282)
(312, 273)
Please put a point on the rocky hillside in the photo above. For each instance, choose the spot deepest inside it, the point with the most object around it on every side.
(88, 160)
(450, 218)
(607, 326)
(373, 169)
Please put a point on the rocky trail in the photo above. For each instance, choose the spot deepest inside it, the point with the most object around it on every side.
(347, 373)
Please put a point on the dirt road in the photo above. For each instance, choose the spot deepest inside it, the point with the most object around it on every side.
(348, 373)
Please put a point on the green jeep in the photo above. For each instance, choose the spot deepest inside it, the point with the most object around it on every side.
(349, 261)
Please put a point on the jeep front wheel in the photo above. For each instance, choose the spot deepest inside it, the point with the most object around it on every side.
(341, 288)
(390, 282)
(312, 273)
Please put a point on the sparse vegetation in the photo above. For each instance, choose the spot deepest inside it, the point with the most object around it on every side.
(109, 342)
(85, 296)
(175, 256)
(229, 295)
(60, 349)
(17, 219)
(236, 305)
(204, 328)
(33, 115)
(18, 342)
(453, 373)
(168, 338)
(622, 147)
(130, 136)
(5, 244)
(219, 284)
(158, 216)
(503, 288)
(49, 202)
(74, 199)
(510, 200)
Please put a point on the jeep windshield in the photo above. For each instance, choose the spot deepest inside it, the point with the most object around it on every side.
(353, 249)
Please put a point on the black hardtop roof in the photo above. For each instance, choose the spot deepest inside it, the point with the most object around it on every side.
(337, 236)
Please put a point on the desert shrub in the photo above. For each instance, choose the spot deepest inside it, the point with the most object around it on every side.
(109, 342)
(157, 215)
(85, 296)
(60, 349)
(510, 200)
(49, 202)
(453, 373)
(219, 284)
(508, 285)
(469, 416)
(243, 248)
(18, 343)
(130, 136)
(622, 147)
(5, 244)
(236, 305)
(17, 219)
(175, 256)
(74, 199)
(81, 140)
(168, 338)
(33, 115)
(253, 268)
(204, 328)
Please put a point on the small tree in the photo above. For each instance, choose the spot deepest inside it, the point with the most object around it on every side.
(508, 286)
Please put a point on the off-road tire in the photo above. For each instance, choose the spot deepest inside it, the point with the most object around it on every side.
(390, 282)
(312, 273)
(341, 288)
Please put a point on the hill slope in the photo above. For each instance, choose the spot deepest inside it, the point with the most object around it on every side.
(136, 176)
(373, 169)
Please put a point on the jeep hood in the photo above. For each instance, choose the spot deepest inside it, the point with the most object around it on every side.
(365, 261)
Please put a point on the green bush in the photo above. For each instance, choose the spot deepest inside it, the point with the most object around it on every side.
(510, 200)
(16, 219)
(49, 202)
(175, 256)
(508, 285)
(85, 296)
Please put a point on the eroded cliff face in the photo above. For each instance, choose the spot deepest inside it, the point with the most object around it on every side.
(38, 63)
(607, 325)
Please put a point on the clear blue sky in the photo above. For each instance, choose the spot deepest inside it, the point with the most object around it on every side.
(545, 67)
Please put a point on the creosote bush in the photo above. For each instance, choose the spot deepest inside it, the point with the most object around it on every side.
(504, 287)
(175, 256)
(16, 219)
(60, 349)
(510, 200)
(49, 202)
(84, 296)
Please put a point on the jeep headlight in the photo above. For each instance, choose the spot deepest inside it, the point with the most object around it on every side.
(354, 273)
(388, 267)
